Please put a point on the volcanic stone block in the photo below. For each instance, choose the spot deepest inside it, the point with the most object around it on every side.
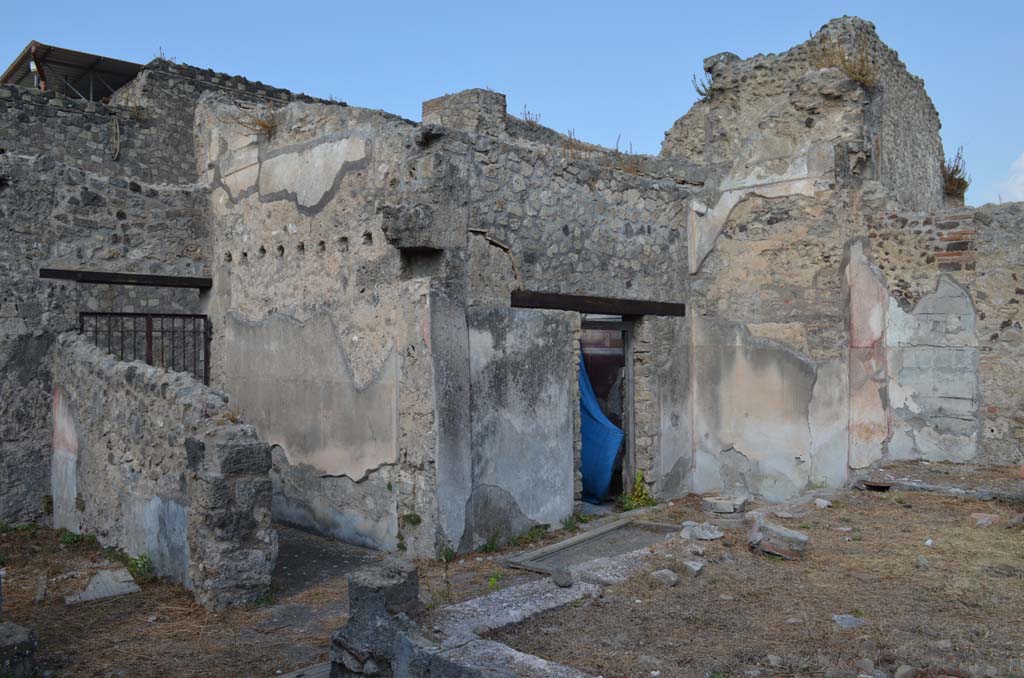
(777, 540)
(724, 504)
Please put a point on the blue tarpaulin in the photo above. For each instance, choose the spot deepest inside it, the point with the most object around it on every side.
(601, 441)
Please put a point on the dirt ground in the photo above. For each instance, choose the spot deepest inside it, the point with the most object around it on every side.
(960, 614)
(963, 611)
(161, 631)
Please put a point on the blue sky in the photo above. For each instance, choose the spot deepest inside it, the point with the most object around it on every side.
(602, 69)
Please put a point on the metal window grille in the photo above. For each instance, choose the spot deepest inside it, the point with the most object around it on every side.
(173, 341)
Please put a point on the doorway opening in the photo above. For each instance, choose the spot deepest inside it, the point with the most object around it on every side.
(607, 358)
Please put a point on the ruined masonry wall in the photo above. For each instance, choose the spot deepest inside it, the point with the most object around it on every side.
(894, 135)
(322, 328)
(91, 186)
(57, 215)
(998, 294)
(152, 462)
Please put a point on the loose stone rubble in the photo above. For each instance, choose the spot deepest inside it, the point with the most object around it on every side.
(777, 540)
(105, 584)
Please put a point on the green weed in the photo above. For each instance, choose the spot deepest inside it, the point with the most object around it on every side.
(638, 497)
(494, 580)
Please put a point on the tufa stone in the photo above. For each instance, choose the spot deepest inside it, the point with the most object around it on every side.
(665, 577)
(781, 541)
(561, 577)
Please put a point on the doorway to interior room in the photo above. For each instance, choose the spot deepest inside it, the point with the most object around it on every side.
(606, 408)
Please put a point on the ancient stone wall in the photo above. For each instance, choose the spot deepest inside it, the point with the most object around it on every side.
(85, 185)
(57, 215)
(154, 463)
(998, 294)
(321, 326)
(808, 121)
(549, 213)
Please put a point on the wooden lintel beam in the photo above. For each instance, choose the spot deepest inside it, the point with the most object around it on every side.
(603, 305)
(112, 278)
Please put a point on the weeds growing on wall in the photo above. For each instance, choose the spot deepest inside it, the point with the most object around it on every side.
(637, 497)
(704, 86)
(530, 118)
(258, 121)
(854, 61)
(627, 162)
(491, 545)
(955, 179)
(530, 536)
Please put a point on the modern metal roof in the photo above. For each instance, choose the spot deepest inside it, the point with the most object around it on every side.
(74, 74)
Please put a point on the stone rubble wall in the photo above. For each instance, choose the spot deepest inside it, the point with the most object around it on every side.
(86, 185)
(57, 215)
(155, 463)
(783, 124)
(547, 213)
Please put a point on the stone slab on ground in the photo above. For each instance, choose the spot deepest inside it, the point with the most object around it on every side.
(105, 584)
(726, 521)
(17, 647)
(702, 531)
(665, 577)
(777, 540)
(724, 504)
(848, 622)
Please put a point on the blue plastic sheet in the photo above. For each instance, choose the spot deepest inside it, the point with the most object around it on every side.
(601, 440)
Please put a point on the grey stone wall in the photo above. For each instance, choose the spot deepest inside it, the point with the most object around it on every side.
(998, 293)
(769, 108)
(53, 214)
(91, 186)
(156, 464)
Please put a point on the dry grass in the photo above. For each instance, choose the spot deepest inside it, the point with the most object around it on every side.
(746, 607)
(625, 161)
(259, 121)
(955, 179)
(158, 632)
(530, 118)
(853, 60)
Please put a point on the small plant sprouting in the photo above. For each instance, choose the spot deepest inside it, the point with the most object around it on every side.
(447, 554)
(638, 497)
(491, 545)
(141, 568)
(68, 538)
(704, 86)
(530, 536)
(575, 520)
(530, 118)
(494, 580)
(955, 179)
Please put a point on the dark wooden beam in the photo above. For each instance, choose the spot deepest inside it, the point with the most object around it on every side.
(604, 305)
(112, 278)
